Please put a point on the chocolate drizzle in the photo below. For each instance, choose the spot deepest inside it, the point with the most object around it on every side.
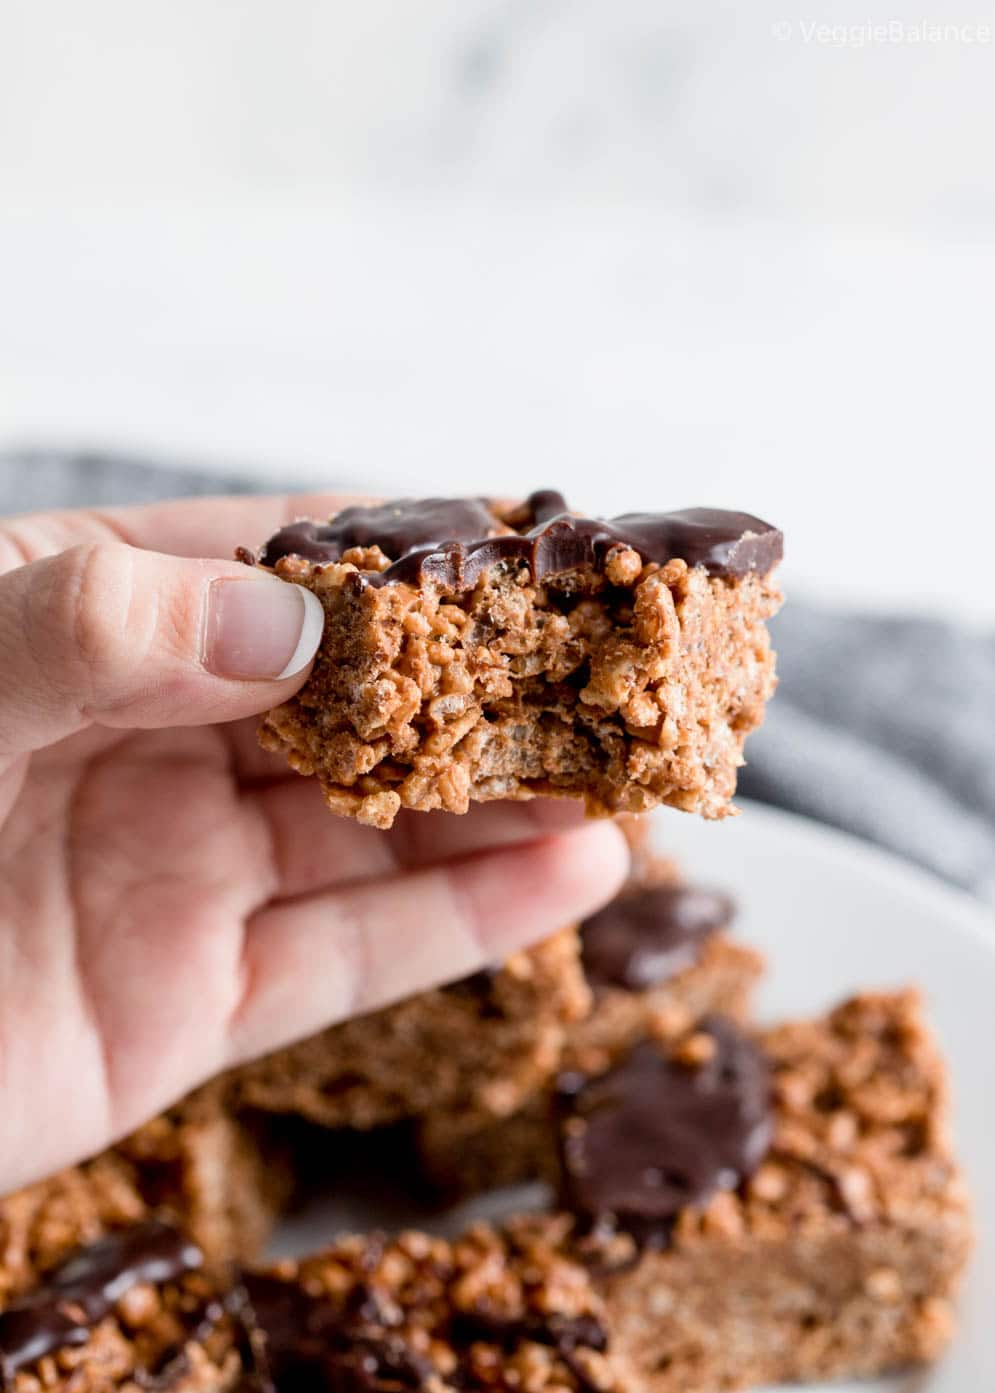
(567, 1335)
(396, 528)
(86, 1288)
(304, 1343)
(654, 1135)
(642, 939)
(559, 1332)
(301, 1343)
(453, 542)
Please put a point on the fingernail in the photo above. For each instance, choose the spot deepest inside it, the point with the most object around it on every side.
(260, 629)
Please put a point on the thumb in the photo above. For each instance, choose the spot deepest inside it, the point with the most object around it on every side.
(106, 634)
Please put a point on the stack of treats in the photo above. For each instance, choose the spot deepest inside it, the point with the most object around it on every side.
(725, 1205)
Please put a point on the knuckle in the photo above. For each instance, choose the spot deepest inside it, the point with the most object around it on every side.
(98, 626)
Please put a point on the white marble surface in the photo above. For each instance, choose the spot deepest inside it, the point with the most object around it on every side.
(649, 252)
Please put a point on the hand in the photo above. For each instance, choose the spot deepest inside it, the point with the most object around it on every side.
(172, 900)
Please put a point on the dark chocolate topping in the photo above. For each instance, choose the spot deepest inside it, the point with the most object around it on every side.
(544, 505)
(173, 1365)
(654, 1135)
(453, 541)
(564, 1334)
(86, 1288)
(559, 1332)
(306, 1344)
(646, 937)
(396, 528)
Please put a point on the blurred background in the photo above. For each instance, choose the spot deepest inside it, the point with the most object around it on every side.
(655, 252)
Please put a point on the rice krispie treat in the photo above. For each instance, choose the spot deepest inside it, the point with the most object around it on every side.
(658, 958)
(474, 652)
(782, 1207)
(485, 1043)
(839, 1254)
(196, 1163)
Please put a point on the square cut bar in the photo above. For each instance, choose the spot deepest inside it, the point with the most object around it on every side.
(476, 652)
(485, 1043)
(734, 1241)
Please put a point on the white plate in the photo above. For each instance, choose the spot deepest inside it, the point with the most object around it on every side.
(833, 916)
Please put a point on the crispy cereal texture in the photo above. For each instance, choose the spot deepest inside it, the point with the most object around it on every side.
(843, 1255)
(627, 685)
(465, 1150)
(484, 1045)
(509, 1310)
(195, 1163)
(174, 1336)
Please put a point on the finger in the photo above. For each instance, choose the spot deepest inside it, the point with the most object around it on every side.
(184, 527)
(110, 635)
(417, 839)
(313, 851)
(321, 959)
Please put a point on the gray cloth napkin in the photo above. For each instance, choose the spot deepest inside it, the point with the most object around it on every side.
(882, 726)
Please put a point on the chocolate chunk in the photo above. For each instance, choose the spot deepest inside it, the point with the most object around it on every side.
(654, 1135)
(86, 1288)
(173, 1365)
(305, 1344)
(645, 938)
(567, 1335)
(562, 1333)
(452, 542)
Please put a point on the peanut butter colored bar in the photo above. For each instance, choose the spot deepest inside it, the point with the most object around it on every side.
(196, 1164)
(841, 1255)
(729, 1249)
(476, 652)
(477, 1048)
(486, 1043)
(481, 1049)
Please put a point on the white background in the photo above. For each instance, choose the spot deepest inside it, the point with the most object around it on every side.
(659, 254)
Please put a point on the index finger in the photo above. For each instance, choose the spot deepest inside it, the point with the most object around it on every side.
(192, 527)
